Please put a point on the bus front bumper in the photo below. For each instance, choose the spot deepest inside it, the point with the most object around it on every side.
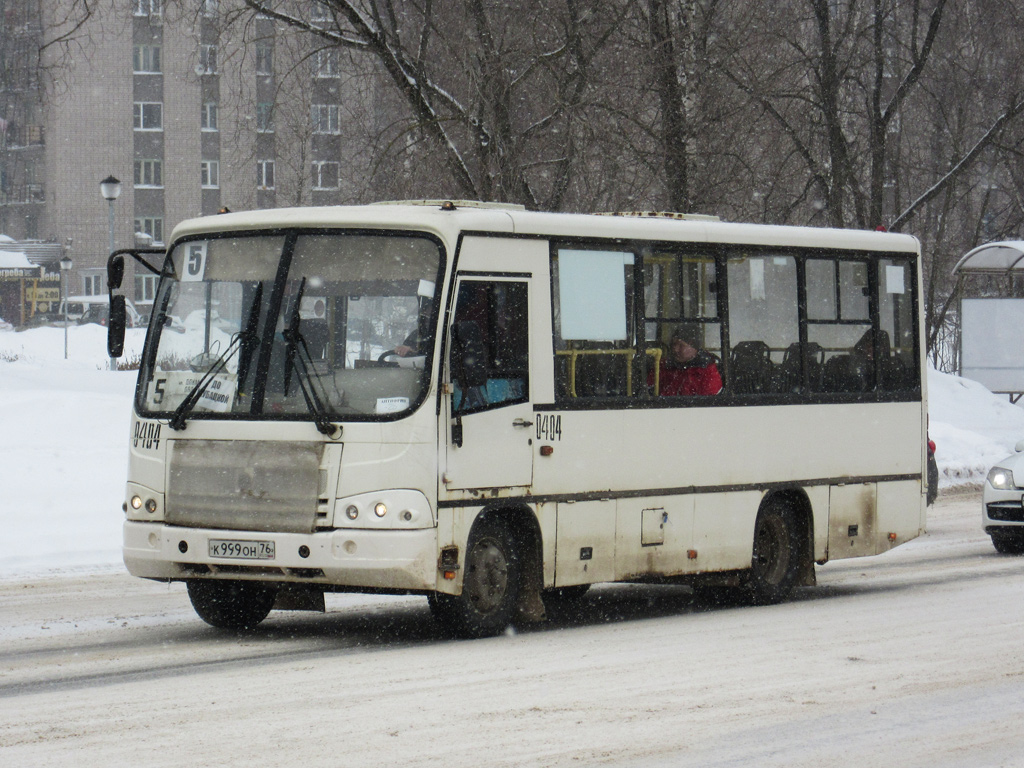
(371, 559)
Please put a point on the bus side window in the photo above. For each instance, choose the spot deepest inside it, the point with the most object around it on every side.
(489, 359)
(595, 338)
(839, 323)
(764, 323)
(898, 363)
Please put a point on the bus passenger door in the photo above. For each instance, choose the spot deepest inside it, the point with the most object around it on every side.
(489, 413)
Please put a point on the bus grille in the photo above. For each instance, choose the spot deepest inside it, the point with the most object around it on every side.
(243, 485)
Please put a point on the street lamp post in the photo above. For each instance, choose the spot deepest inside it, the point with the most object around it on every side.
(65, 269)
(110, 187)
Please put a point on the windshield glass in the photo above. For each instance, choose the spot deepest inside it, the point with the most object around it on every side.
(337, 326)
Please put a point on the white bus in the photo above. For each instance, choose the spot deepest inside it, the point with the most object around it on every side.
(482, 405)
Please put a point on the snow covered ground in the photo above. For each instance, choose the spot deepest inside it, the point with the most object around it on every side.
(910, 659)
(65, 434)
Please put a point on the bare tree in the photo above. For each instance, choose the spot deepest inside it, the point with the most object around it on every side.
(839, 80)
(500, 101)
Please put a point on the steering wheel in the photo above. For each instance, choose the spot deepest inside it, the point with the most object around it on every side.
(382, 357)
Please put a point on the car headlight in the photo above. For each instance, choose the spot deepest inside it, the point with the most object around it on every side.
(1001, 479)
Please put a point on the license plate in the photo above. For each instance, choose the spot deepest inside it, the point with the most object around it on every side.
(242, 550)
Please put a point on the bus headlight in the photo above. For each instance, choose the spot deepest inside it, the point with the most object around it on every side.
(1001, 479)
(143, 503)
(396, 508)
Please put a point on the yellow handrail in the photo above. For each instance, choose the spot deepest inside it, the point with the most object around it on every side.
(574, 354)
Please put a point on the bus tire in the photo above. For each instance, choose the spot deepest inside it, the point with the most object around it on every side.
(232, 605)
(490, 584)
(775, 562)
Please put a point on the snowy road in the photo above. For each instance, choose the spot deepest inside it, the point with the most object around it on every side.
(915, 658)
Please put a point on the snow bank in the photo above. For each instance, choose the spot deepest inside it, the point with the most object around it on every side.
(971, 427)
(87, 345)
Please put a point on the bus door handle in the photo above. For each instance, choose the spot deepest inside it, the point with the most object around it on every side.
(522, 423)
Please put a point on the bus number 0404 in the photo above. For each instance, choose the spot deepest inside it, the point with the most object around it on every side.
(549, 427)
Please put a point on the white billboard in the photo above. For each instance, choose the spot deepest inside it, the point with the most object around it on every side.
(992, 343)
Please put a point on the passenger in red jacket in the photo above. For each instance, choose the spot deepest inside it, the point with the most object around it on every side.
(687, 370)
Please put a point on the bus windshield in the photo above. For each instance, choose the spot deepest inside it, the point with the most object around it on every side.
(325, 327)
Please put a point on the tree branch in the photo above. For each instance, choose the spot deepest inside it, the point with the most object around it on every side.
(961, 165)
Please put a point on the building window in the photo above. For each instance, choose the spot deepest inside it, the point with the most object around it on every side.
(149, 173)
(92, 284)
(145, 288)
(208, 119)
(209, 171)
(149, 116)
(265, 117)
(207, 60)
(148, 7)
(320, 12)
(326, 119)
(264, 174)
(326, 63)
(264, 58)
(325, 175)
(146, 59)
(210, 7)
(152, 226)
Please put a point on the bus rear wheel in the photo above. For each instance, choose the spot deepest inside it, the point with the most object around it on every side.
(231, 604)
(775, 563)
(490, 585)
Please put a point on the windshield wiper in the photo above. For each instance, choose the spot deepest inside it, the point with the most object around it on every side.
(177, 421)
(249, 338)
(297, 356)
(244, 341)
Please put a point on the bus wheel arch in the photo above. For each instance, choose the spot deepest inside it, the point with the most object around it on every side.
(502, 575)
(782, 552)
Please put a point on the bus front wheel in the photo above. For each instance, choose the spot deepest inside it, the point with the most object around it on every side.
(231, 604)
(775, 564)
(490, 585)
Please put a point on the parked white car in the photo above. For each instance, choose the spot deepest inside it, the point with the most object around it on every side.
(1002, 503)
(96, 309)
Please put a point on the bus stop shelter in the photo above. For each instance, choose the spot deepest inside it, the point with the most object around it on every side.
(991, 335)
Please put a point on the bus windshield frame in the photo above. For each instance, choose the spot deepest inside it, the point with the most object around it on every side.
(301, 324)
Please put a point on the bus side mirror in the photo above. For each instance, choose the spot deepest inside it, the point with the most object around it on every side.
(115, 329)
(115, 272)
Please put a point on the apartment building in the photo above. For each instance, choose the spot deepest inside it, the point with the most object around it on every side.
(191, 114)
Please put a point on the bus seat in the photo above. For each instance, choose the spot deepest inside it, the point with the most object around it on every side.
(751, 369)
(789, 369)
(845, 373)
(894, 373)
(891, 369)
(601, 375)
